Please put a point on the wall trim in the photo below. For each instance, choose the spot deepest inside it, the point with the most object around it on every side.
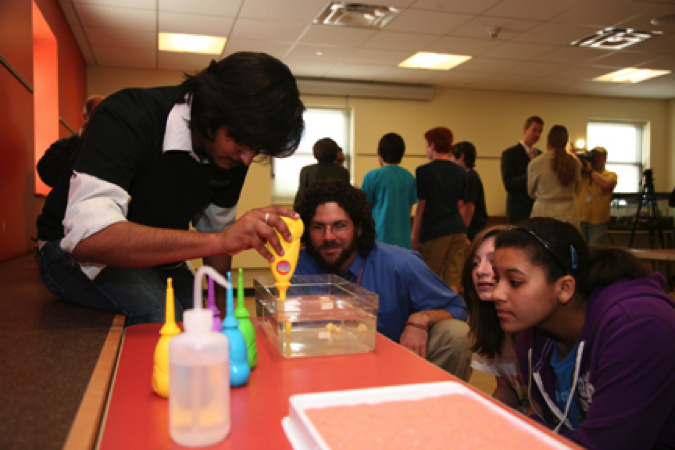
(341, 88)
(16, 73)
(67, 125)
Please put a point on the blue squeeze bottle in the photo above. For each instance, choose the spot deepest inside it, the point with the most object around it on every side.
(240, 371)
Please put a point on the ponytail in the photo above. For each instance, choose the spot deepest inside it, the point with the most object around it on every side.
(563, 164)
(565, 167)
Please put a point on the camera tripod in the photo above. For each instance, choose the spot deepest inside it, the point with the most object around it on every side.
(649, 194)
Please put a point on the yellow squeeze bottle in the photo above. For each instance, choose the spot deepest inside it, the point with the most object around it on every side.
(283, 266)
(160, 371)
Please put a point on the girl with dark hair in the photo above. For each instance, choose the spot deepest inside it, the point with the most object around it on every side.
(494, 350)
(595, 336)
(552, 180)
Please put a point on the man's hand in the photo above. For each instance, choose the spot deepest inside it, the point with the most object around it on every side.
(415, 340)
(255, 228)
(416, 333)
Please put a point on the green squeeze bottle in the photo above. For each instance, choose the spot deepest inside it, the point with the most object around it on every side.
(245, 325)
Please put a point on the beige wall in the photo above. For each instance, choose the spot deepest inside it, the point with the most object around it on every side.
(491, 120)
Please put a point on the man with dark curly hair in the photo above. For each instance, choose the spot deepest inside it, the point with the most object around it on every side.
(417, 309)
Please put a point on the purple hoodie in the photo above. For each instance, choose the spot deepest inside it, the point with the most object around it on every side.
(624, 379)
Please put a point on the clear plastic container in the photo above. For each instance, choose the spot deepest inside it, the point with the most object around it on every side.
(199, 382)
(322, 315)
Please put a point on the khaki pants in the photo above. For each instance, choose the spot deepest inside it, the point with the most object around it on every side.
(445, 257)
(448, 348)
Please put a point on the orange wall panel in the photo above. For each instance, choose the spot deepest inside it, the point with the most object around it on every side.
(19, 205)
(46, 90)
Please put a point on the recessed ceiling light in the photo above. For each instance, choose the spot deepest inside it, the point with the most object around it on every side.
(614, 38)
(433, 61)
(631, 75)
(191, 43)
(357, 15)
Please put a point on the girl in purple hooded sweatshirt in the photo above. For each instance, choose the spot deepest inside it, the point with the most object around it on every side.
(596, 336)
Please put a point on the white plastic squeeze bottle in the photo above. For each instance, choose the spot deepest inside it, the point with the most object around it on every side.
(199, 378)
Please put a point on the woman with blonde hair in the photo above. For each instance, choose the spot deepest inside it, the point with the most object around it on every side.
(494, 351)
(552, 180)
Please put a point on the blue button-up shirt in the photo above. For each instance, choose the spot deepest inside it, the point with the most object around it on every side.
(404, 283)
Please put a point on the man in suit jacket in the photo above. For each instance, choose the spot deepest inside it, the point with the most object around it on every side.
(514, 171)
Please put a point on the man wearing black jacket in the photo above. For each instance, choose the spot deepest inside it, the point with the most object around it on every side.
(514, 171)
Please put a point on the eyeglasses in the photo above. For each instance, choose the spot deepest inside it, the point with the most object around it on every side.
(546, 247)
(337, 228)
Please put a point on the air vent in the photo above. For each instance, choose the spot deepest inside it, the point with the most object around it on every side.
(357, 15)
(614, 38)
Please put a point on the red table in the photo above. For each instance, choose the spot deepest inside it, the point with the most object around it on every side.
(137, 418)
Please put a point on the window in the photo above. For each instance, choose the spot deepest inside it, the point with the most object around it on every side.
(624, 142)
(334, 123)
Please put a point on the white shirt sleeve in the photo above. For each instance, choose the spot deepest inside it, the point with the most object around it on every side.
(214, 218)
(93, 205)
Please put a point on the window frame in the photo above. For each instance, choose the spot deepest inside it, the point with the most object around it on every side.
(643, 158)
(285, 196)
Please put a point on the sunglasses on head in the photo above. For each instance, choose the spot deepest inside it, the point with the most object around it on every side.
(544, 244)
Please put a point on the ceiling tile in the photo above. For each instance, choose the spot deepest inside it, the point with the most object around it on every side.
(587, 87)
(602, 13)
(535, 68)
(327, 53)
(132, 4)
(555, 33)
(174, 22)
(455, 6)
(624, 59)
(585, 72)
(125, 57)
(455, 76)
(395, 3)
(400, 75)
(503, 79)
(547, 84)
(533, 40)
(389, 40)
(291, 10)
(572, 55)
(485, 65)
(227, 8)
(276, 49)
(355, 71)
(461, 46)
(301, 67)
(265, 30)
(384, 57)
(518, 51)
(481, 26)
(664, 45)
(103, 37)
(416, 21)
(335, 35)
(665, 63)
(93, 16)
(531, 9)
(188, 62)
(643, 20)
